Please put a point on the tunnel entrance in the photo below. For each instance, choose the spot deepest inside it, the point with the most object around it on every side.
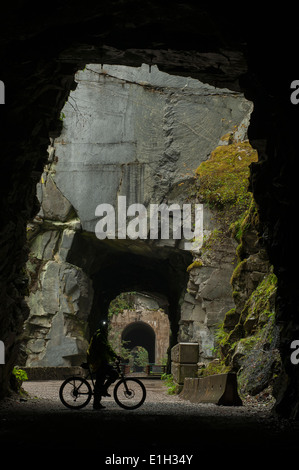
(139, 328)
(140, 334)
(272, 129)
(130, 134)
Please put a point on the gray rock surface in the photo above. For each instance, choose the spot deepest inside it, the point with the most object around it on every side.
(128, 131)
(131, 132)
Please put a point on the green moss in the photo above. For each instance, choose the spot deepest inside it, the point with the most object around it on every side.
(237, 271)
(253, 329)
(214, 367)
(195, 264)
(231, 319)
(223, 179)
(124, 301)
(260, 306)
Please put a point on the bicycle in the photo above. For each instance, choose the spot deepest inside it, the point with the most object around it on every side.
(76, 392)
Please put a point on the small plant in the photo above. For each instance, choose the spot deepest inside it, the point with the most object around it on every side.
(141, 357)
(18, 377)
(124, 301)
(170, 384)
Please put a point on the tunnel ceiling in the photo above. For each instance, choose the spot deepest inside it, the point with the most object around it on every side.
(244, 48)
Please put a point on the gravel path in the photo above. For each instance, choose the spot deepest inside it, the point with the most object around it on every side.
(43, 396)
(164, 423)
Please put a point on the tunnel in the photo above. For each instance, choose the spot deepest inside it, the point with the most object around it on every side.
(144, 268)
(140, 334)
(211, 45)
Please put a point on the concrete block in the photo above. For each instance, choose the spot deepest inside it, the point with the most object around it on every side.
(181, 371)
(185, 353)
(220, 389)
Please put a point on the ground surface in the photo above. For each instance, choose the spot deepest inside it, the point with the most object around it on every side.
(164, 425)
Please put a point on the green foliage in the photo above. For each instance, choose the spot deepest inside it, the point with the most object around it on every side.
(170, 384)
(17, 379)
(140, 356)
(213, 368)
(20, 375)
(124, 301)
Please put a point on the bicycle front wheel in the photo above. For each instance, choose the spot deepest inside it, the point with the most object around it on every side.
(129, 393)
(75, 392)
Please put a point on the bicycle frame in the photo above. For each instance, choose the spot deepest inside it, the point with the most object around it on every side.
(121, 375)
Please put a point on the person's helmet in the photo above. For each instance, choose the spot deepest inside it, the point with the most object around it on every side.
(103, 326)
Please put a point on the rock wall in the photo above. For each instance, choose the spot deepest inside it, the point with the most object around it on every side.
(139, 133)
(248, 337)
(208, 298)
(56, 332)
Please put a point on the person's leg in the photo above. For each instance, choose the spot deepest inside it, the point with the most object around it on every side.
(98, 389)
(112, 375)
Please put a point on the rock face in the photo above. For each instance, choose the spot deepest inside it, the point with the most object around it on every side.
(139, 133)
(248, 337)
(56, 331)
(208, 298)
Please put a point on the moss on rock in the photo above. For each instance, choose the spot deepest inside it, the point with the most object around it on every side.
(224, 177)
(246, 340)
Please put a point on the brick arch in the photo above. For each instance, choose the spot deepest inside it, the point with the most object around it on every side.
(155, 321)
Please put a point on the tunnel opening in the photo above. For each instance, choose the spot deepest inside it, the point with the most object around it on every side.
(139, 334)
(139, 329)
(143, 145)
(158, 273)
(34, 82)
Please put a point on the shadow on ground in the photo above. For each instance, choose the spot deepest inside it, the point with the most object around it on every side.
(156, 428)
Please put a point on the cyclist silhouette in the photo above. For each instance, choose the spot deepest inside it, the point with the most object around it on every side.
(99, 353)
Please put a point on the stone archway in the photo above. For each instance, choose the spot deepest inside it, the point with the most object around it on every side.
(140, 334)
(146, 325)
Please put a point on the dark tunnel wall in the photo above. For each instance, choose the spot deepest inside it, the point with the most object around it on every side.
(41, 50)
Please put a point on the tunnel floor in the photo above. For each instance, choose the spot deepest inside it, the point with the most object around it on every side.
(164, 425)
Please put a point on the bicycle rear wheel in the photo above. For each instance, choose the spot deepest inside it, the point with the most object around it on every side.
(129, 393)
(75, 392)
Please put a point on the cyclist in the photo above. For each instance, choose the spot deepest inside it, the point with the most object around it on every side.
(99, 353)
